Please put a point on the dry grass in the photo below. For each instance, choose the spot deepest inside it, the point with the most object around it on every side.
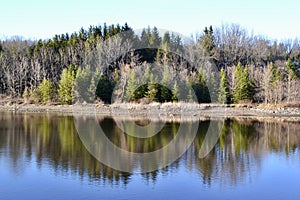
(295, 104)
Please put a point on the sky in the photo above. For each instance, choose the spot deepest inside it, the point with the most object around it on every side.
(35, 19)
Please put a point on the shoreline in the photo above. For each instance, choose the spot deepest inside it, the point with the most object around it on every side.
(182, 111)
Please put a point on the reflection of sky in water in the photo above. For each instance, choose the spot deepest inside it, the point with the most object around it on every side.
(256, 173)
(277, 179)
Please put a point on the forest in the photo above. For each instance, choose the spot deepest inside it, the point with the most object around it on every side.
(114, 63)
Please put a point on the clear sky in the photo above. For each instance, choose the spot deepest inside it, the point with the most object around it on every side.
(36, 19)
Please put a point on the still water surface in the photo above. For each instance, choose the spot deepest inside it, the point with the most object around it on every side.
(42, 157)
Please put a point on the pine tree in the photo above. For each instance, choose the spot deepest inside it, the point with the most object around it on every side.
(155, 39)
(207, 40)
(46, 90)
(201, 89)
(143, 89)
(224, 95)
(165, 94)
(92, 90)
(131, 87)
(175, 92)
(35, 95)
(152, 88)
(243, 84)
(65, 87)
(238, 72)
(292, 75)
(105, 88)
(82, 82)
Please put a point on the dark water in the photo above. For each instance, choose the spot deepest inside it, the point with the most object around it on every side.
(42, 157)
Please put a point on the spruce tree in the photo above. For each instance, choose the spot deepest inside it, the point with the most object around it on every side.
(155, 39)
(152, 88)
(104, 89)
(175, 92)
(243, 84)
(238, 72)
(224, 95)
(201, 89)
(92, 90)
(65, 87)
(165, 93)
(82, 82)
(131, 87)
(247, 86)
(46, 90)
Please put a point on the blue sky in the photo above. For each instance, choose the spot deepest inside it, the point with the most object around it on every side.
(36, 19)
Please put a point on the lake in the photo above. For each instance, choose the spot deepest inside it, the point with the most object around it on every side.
(43, 156)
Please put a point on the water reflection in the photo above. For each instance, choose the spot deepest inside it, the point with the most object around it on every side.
(52, 139)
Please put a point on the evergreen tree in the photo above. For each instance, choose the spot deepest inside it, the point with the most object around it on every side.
(145, 38)
(35, 95)
(152, 88)
(207, 40)
(243, 85)
(238, 72)
(155, 39)
(247, 85)
(143, 89)
(131, 87)
(165, 93)
(92, 90)
(292, 74)
(224, 95)
(292, 70)
(104, 89)
(46, 90)
(175, 92)
(201, 89)
(65, 87)
(82, 82)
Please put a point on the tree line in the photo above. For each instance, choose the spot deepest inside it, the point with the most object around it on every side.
(225, 65)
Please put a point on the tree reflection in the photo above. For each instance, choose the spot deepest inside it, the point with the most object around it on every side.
(53, 139)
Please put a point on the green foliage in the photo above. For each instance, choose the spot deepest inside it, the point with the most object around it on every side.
(131, 87)
(207, 40)
(275, 75)
(243, 84)
(175, 92)
(224, 94)
(242, 135)
(65, 88)
(201, 89)
(292, 70)
(45, 90)
(152, 88)
(165, 93)
(85, 84)
(92, 90)
(155, 39)
(23, 62)
(105, 89)
(35, 95)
